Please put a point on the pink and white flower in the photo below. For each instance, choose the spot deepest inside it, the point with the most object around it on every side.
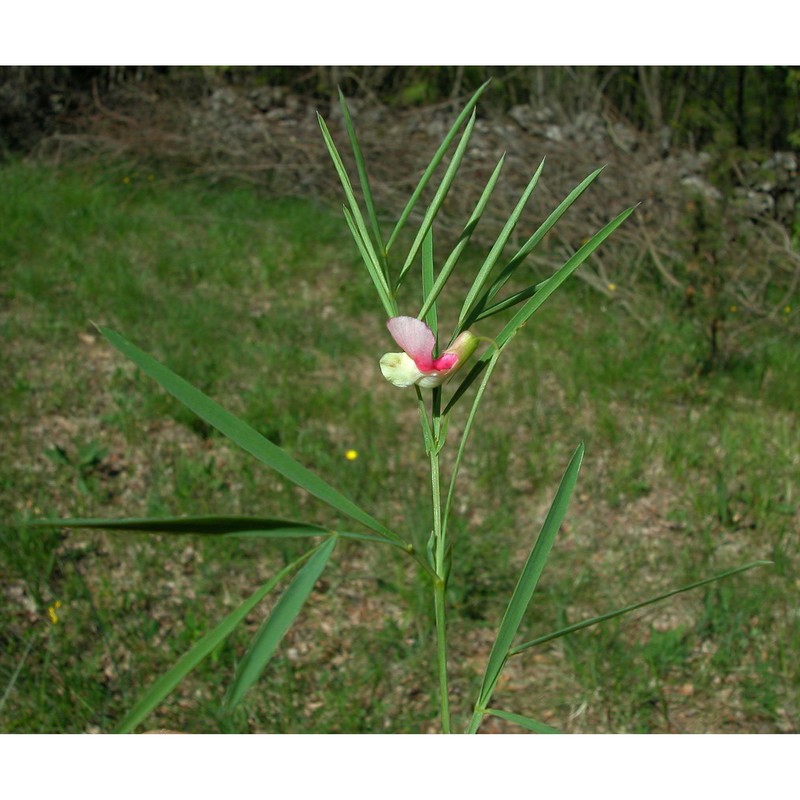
(416, 365)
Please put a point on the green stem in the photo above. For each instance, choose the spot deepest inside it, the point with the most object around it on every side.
(475, 722)
(441, 648)
(439, 550)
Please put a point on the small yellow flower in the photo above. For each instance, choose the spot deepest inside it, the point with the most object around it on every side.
(734, 309)
(612, 287)
(126, 179)
(351, 455)
(787, 309)
(51, 612)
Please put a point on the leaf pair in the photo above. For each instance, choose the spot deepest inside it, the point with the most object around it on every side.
(247, 437)
(503, 646)
(262, 648)
(535, 297)
(291, 602)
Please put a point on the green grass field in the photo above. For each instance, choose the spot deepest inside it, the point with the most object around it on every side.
(262, 303)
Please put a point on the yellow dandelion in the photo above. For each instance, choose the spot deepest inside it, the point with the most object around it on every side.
(612, 287)
(351, 455)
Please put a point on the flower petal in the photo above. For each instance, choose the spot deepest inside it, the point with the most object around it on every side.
(457, 354)
(430, 380)
(416, 338)
(446, 361)
(400, 369)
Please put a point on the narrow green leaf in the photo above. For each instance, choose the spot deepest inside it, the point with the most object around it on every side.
(463, 240)
(528, 248)
(556, 279)
(389, 305)
(214, 525)
(438, 198)
(508, 302)
(497, 248)
(366, 247)
(587, 623)
(301, 533)
(278, 623)
(230, 527)
(246, 437)
(525, 722)
(531, 573)
(431, 168)
(163, 685)
(363, 179)
(541, 292)
(431, 316)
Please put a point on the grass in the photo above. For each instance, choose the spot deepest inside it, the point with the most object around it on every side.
(261, 302)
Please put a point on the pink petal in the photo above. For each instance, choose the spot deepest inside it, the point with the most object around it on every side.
(445, 361)
(416, 338)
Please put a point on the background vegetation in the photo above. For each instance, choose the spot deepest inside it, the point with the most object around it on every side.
(746, 106)
(257, 297)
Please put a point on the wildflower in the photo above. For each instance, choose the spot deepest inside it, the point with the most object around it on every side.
(51, 612)
(787, 309)
(612, 287)
(351, 455)
(416, 365)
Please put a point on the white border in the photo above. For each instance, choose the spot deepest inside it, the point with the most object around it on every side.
(353, 32)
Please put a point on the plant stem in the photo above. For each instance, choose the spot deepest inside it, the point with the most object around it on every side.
(440, 582)
(475, 722)
(441, 649)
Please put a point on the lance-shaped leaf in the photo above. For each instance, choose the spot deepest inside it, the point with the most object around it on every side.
(508, 302)
(431, 317)
(438, 198)
(246, 437)
(201, 525)
(542, 292)
(527, 249)
(163, 685)
(463, 241)
(357, 226)
(587, 623)
(237, 527)
(434, 162)
(497, 248)
(278, 623)
(531, 572)
(363, 179)
(373, 270)
(525, 722)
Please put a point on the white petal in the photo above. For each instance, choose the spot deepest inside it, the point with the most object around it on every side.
(400, 369)
(431, 380)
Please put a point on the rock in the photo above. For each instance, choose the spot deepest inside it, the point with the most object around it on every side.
(699, 186)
